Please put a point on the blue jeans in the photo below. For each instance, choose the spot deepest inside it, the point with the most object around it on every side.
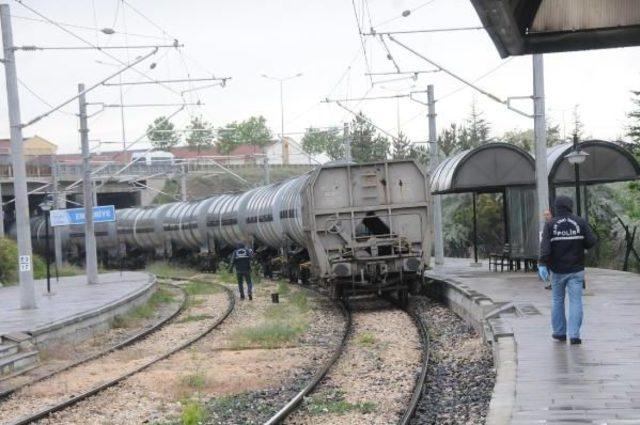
(572, 283)
(247, 277)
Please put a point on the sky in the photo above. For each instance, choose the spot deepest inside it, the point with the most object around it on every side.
(245, 39)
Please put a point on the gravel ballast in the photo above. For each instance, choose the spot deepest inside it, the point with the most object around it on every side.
(373, 380)
(461, 374)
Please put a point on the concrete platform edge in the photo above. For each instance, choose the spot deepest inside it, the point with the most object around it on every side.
(80, 326)
(483, 315)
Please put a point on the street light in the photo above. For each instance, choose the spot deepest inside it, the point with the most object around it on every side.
(577, 157)
(46, 207)
(285, 146)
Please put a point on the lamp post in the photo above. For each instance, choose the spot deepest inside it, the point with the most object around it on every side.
(46, 206)
(285, 146)
(577, 157)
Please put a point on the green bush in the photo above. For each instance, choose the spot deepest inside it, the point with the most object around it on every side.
(9, 263)
(192, 414)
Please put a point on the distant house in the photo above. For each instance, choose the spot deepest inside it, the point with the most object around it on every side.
(241, 155)
(291, 153)
(32, 146)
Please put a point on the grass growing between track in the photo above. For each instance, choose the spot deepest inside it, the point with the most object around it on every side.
(200, 287)
(334, 402)
(280, 325)
(144, 311)
(164, 269)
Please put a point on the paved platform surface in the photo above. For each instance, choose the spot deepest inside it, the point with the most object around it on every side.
(73, 296)
(594, 383)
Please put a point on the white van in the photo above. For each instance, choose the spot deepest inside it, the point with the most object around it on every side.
(154, 158)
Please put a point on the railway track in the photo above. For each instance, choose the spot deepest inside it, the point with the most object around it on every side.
(84, 394)
(294, 403)
(4, 393)
(419, 388)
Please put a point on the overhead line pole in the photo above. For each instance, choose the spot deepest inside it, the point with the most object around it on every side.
(23, 230)
(434, 160)
(58, 199)
(540, 137)
(347, 142)
(1, 214)
(87, 189)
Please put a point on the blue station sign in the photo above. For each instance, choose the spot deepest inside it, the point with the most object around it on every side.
(71, 216)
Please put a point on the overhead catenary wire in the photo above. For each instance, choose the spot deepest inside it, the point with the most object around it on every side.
(83, 27)
(31, 48)
(462, 80)
(41, 99)
(66, 102)
(404, 14)
(389, 55)
(362, 41)
(423, 31)
(76, 36)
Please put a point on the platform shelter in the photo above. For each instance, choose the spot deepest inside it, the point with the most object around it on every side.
(510, 170)
(495, 168)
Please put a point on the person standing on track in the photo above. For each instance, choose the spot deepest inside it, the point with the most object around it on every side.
(564, 240)
(241, 261)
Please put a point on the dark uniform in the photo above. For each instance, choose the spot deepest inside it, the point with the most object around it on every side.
(564, 240)
(241, 261)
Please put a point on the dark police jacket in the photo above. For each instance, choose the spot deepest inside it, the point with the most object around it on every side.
(241, 260)
(564, 240)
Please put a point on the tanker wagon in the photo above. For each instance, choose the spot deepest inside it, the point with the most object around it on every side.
(367, 227)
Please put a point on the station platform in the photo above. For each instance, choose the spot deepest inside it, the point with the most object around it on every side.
(75, 305)
(597, 382)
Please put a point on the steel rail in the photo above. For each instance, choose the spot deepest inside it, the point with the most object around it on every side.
(99, 388)
(419, 387)
(134, 338)
(293, 403)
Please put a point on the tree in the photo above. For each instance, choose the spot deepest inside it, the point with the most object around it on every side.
(525, 139)
(478, 127)
(448, 140)
(420, 153)
(329, 141)
(578, 126)
(366, 143)
(200, 134)
(228, 138)
(162, 134)
(633, 130)
(401, 147)
(254, 132)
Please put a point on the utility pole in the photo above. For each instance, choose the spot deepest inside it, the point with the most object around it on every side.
(89, 233)
(1, 214)
(347, 142)
(540, 136)
(285, 144)
(183, 183)
(27, 287)
(433, 163)
(58, 204)
(267, 171)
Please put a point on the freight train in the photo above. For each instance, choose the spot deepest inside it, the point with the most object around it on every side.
(356, 228)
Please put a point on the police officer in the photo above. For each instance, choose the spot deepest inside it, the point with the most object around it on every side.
(564, 239)
(241, 261)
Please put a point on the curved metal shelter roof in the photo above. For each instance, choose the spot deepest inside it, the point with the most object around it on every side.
(493, 166)
(607, 162)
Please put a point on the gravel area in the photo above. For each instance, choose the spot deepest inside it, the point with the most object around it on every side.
(63, 385)
(216, 375)
(461, 375)
(373, 380)
(60, 355)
